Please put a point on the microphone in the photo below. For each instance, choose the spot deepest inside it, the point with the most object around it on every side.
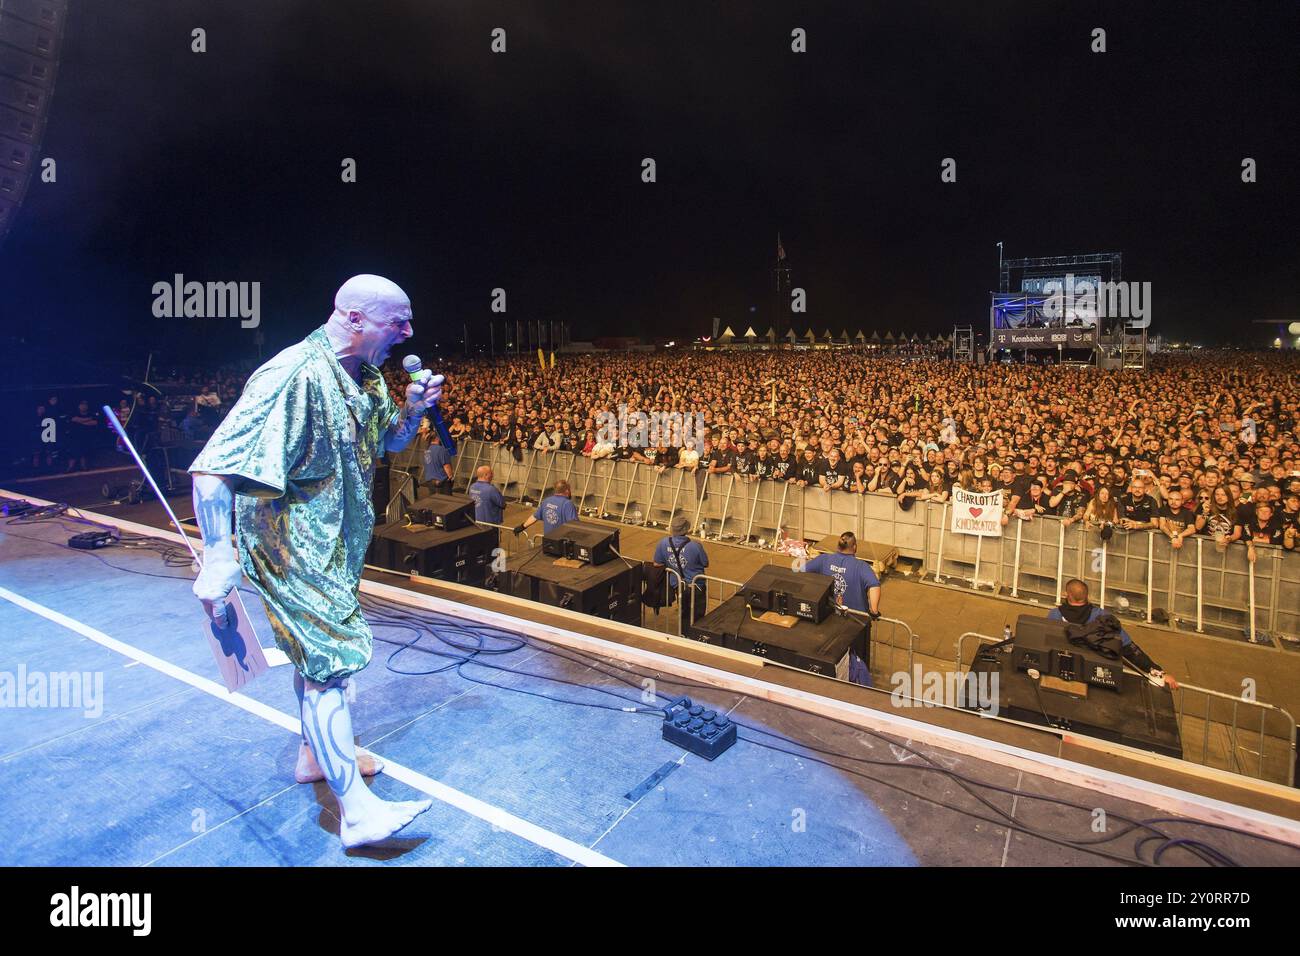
(415, 368)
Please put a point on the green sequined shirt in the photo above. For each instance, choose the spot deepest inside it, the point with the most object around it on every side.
(305, 437)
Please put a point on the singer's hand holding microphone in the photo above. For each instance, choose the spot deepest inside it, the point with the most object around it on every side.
(425, 388)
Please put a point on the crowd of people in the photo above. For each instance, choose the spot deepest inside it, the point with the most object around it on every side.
(68, 436)
(1202, 442)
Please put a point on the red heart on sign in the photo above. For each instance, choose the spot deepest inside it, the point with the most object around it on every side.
(976, 512)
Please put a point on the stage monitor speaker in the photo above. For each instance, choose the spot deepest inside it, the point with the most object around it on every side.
(1045, 646)
(774, 588)
(617, 598)
(464, 555)
(445, 512)
(581, 541)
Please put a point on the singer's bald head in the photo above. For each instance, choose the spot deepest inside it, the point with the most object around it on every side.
(371, 315)
(371, 295)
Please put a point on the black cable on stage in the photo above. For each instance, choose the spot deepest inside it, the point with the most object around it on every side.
(1087, 846)
(1196, 847)
(391, 614)
(1059, 841)
(964, 781)
(100, 558)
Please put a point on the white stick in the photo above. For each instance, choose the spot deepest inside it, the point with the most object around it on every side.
(117, 426)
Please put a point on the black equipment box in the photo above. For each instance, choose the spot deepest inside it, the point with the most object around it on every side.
(611, 591)
(1133, 712)
(785, 591)
(705, 733)
(1045, 646)
(821, 648)
(444, 512)
(463, 555)
(581, 541)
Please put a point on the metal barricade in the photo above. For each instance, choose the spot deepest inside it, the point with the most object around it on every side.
(725, 590)
(1194, 587)
(1227, 739)
(669, 573)
(509, 543)
(465, 464)
(907, 646)
(665, 496)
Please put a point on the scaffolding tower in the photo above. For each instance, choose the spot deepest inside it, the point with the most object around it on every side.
(963, 344)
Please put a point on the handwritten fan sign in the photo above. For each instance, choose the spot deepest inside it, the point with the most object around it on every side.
(976, 513)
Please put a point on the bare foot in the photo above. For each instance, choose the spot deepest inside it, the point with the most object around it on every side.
(308, 771)
(381, 821)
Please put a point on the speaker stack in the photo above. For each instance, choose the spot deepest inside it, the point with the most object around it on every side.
(31, 32)
(436, 539)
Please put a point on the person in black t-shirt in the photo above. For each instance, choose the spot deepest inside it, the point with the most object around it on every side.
(805, 473)
(859, 480)
(83, 430)
(1246, 500)
(1176, 518)
(1264, 528)
(663, 456)
(911, 487)
(783, 465)
(746, 456)
(1290, 513)
(887, 477)
(723, 457)
(1037, 503)
(832, 472)
(1137, 509)
(1070, 500)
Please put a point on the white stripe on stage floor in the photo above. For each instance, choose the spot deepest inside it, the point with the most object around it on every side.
(439, 791)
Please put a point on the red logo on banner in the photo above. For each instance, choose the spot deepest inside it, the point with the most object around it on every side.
(976, 512)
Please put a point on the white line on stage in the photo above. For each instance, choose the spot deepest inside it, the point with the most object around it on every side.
(439, 791)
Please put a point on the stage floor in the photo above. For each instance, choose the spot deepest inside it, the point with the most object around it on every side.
(538, 765)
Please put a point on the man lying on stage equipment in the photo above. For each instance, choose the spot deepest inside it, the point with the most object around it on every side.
(294, 462)
(1079, 613)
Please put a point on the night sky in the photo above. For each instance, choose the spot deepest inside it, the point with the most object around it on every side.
(522, 170)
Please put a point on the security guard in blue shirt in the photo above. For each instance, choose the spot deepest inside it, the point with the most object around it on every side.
(856, 587)
(437, 464)
(489, 505)
(553, 511)
(688, 560)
